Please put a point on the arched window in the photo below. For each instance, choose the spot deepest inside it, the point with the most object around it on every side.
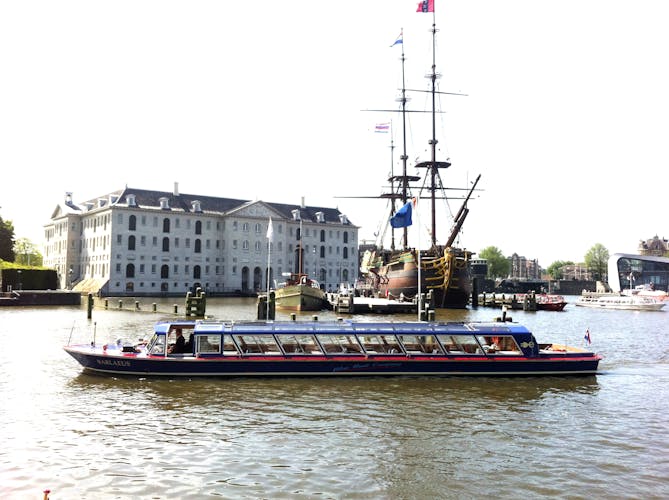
(324, 275)
(196, 272)
(322, 251)
(166, 244)
(166, 225)
(130, 271)
(132, 223)
(198, 227)
(322, 234)
(198, 246)
(344, 275)
(345, 252)
(345, 236)
(164, 271)
(131, 242)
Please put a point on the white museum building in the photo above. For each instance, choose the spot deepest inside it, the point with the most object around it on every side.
(138, 242)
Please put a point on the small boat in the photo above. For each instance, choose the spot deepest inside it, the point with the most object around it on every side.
(334, 348)
(300, 293)
(550, 302)
(634, 302)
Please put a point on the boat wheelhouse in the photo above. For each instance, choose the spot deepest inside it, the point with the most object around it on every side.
(320, 348)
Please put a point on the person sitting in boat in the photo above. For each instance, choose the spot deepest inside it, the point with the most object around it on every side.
(179, 347)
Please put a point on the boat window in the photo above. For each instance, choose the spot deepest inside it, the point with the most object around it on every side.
(340, 344)
(499, 344)
(386, 344)
(229, 347)
(460, 344)
(420, 344)
(299, 344)
(156, 345)
(208, 344)
(257, 344)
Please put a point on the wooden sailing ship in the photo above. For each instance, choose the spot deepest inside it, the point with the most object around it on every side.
(408, 271)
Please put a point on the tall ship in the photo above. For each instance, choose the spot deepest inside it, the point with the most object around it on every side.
(406, 271)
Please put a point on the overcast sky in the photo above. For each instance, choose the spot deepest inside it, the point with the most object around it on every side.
(566, 116)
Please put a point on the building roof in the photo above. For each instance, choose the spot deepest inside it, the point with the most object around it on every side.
(146, 198)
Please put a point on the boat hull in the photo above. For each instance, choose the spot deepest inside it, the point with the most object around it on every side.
(299, 298)
(449, 281)
(132, 364)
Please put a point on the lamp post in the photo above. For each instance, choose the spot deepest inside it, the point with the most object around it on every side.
(69, 278)
(18, 285)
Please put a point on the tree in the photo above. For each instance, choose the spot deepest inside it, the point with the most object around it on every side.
(6, 240)
(555, 269)
(498, 265)
(26, 253)
(597, 260)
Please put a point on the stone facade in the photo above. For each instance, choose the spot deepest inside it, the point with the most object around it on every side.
(137, 242)
(654, 246)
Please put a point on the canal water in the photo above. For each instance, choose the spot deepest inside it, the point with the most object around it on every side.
(83, 436)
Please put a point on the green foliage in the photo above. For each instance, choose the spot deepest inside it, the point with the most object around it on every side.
(6, 240)
(555, 269)
(498, 265)
(596, 260)
(26, 253)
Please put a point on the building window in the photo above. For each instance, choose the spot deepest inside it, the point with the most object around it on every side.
(196, 272)
(257, 246)
(245, 227)
(130, 271)
(132, 223)
(198, 246)
(119, 239)
(322, 235)
(345, 252)
(131, 242)
(166, 244)
(166, 225)
(245, 245)
(258, 228)
(345, 236)
(198, 227)
(165, 271)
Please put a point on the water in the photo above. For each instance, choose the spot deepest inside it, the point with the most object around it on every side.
(85, 436)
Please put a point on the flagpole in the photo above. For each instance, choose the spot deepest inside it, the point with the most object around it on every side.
(420, 301)
(270, 235)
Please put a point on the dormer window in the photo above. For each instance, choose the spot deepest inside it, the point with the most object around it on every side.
(164, 203)
(101, 202)
(320, 217)
(343, 219)
(132, 202)
(197, 206)
(296, 214)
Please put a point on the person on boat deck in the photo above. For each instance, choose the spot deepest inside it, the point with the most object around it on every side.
(180, 345)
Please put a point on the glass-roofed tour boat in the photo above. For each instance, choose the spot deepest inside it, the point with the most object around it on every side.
(340, 347)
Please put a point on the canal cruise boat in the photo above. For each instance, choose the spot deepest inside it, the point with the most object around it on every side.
(321, 348)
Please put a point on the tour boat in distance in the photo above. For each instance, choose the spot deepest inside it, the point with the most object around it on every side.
(615, 301)
(334, 348)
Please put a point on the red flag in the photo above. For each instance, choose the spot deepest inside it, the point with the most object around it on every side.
(425, 6)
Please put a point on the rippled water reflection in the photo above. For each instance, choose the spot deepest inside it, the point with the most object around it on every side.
(86, 436)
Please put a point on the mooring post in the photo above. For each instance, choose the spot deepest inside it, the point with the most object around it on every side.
(90, 306)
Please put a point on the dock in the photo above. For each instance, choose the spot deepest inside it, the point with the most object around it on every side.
(349, 303)
(40, 298)
(512, 301)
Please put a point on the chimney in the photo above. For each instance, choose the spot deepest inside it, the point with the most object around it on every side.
(68, 198)
(176, 189)
(302, 205)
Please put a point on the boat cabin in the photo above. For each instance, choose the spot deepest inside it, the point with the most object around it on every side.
(341, 338)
